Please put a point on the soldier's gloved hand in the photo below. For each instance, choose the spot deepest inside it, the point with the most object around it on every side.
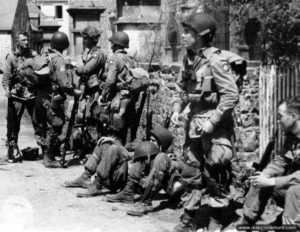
(205, 127)
(175, 118)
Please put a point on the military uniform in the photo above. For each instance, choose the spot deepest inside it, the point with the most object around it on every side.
(109, 163)
(91, 74)
(121, 99)
(14, 80)
(54, 103)
(209, 93)
(285, 167)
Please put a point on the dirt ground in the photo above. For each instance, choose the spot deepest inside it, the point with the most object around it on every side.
(32, 198)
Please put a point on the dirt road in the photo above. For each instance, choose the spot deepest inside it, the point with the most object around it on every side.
(32, 198)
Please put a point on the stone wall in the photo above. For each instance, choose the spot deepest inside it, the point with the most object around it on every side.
(247, 123)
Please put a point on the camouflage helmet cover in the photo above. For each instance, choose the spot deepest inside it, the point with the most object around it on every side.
(91, 32)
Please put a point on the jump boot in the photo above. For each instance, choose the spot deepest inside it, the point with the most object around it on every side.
(186, 223)
(144, 206)
(94, 189)
(83, 181)
(14, 155)
(126, 195)
(49, 159)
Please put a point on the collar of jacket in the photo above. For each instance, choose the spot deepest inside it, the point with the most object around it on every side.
(120, 51)
(207, 51)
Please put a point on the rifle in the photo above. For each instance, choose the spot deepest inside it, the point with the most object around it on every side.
(69, 130)
(266, 157)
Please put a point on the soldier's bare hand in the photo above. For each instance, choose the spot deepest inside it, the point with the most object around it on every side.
(175, 118)
(261, 180)
(205, 127)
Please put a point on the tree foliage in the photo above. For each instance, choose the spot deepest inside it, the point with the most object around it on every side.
(280, 27)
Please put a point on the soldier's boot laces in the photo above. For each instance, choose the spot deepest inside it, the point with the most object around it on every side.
(83, 181)
(140, 208)
(94, 189)
(186, 224)
(126, 195)
(14, 155)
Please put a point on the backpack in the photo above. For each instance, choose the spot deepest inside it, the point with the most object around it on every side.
(40, 70)
(135, 80)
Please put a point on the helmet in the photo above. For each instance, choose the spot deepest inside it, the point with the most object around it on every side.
(163, 136)
(120, 38)
(30, 153)
(91, 32)
(201, 23)
(60, 40)
(145, 149)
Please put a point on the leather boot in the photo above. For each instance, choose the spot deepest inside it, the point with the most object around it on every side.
(49, 160)
(145, 205)
(51, 163)
(94, 189)
(81, 182)
(186, 223)
(140, 208)
(126, 195)
(14, 155)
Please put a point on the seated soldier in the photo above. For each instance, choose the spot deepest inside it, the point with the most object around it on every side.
(281, 178)
(152, 170)
(108, 155)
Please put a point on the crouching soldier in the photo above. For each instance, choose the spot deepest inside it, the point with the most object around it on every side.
(152, 170)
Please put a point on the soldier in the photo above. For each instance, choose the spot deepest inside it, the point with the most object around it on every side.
(280, 178)
(117, 73)
(19, 92)
(54, 103)
(91, 73)
(152, 170)
(209, 94)
(109, 163)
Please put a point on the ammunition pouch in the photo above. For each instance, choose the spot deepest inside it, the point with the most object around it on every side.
(196, 120)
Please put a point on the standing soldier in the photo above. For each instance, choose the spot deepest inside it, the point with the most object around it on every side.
(210, 95)
(19, 93)
(91, 76)
(117, 72)
(54, 104)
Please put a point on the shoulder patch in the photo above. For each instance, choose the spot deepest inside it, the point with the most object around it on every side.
(225, 65)
(95, 55)
(62, 68)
